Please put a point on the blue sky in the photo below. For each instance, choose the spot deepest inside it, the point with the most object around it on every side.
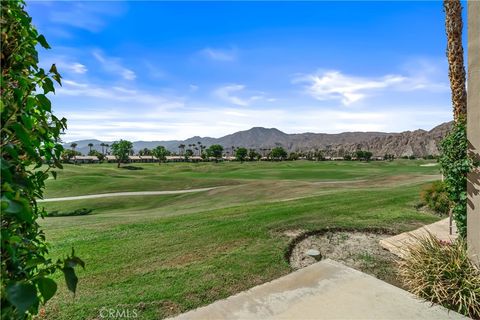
(171, 70)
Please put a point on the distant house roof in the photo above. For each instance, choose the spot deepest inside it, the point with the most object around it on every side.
(148, 157)
(174, 157)
(93, 158)
(111, 157)
(134, 158)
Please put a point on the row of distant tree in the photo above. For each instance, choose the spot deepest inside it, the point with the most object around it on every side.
(123, 149)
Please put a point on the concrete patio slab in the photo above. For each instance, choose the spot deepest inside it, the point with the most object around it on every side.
(324, 290)
(399, 243)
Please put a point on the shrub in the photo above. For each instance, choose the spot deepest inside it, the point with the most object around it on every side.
(455, 165)
(77, 212)
(435, 196)
(442, 273)
(30, 137)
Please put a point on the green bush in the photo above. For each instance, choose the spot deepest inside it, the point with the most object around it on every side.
(77, 212)
(455, 164)
(435, 196)
(30, 138)
(443, 273)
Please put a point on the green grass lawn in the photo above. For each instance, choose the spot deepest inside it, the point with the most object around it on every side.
(163, 255)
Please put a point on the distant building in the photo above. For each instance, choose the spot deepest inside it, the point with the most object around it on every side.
(85, 159)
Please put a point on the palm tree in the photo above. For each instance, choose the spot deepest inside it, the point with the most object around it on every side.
(181, 148)
(456, 68)
(73, 146)
(456, 73)
(90, 145)
(106, 147)
(103, 150)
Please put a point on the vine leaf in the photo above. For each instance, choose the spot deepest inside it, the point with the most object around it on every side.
(22, 295)
(43, 42)
(47, 288)
(70, 278)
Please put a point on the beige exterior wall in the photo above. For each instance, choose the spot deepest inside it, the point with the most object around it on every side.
(473, 128)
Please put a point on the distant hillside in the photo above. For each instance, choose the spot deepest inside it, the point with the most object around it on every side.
(417, 143)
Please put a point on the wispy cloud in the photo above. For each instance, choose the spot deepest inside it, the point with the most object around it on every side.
(331, 85)
(231, 94)
(114, 123)
(77, 68)
(90, 15)
(219, 54)
(115, 94)
(335, 85)
(111, 64)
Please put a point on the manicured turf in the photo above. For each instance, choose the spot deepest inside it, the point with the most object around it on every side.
(162, 255)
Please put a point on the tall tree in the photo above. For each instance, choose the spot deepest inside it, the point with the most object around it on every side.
(103, 147)
(252, 154)
(278, 153)
(74, 146)
(30, 148)
(106, 147)
(181, 149)
(454, 160)
(215, 150)
(241, 154)
(188, 153)
(160, 153)
(90, 145)
(456, 68)
(122, 149)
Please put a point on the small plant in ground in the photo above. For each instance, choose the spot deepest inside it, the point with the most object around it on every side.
(442, 273)
(435, 196)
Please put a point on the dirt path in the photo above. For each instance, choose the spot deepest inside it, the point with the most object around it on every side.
(123, 194)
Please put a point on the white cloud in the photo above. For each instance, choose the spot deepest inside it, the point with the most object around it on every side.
(78, 68)
(91, 16)
(236, 94)
(113, 123)
(334, 85)
(111, 64)
(107, 94)
(219, 54)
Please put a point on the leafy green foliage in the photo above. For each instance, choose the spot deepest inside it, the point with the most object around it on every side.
(455, 165)
(293, 156)
(443, 273)
(363, 155)
(435, 196)
(278, 153)
(145, 152)
(188, 153)
(76, 212)
(161, 153)
(97, 154)
(241, 154)
(215, 150)
(30, 136)
(122, 149)
(253, 155)
(68, 155)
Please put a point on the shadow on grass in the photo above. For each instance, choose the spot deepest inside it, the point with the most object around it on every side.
(131, 168)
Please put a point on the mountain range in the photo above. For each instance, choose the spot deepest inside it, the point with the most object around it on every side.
(418, 143)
